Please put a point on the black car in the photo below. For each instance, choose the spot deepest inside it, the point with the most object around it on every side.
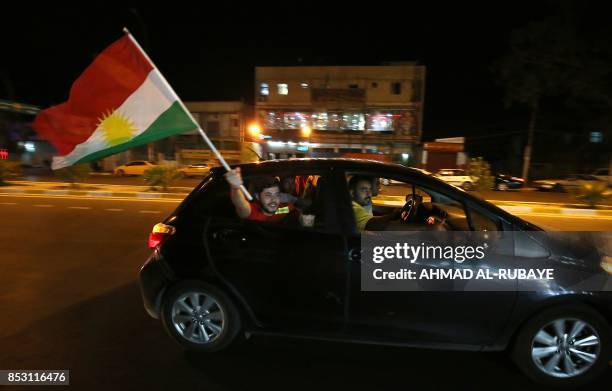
(505, 182)
(214, 278)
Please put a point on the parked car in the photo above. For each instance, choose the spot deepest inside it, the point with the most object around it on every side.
(137, 167)
(569, 182)
(505, 182)
(213, 278)
(603, 174)
(389, 181)
(194, 170)
(456, 177)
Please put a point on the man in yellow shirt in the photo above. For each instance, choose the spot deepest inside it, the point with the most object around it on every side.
(360, 188)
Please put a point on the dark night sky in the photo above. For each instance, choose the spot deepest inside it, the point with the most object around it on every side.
(206, 57)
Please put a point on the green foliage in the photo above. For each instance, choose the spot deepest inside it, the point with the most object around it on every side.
(593, 193)
(480, 171)
(161, 176)
(8, 169)
(74, 174)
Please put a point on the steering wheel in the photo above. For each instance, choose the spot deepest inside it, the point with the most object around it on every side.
(410, 208)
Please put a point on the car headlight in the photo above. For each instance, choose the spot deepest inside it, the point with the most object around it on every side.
(606, 263)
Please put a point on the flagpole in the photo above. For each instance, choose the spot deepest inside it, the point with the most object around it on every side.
(179, 100)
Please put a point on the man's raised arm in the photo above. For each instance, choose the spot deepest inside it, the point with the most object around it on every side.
(243, 208)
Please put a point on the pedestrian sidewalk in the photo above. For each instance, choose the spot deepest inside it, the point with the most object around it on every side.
(524, 207)
(92, 190)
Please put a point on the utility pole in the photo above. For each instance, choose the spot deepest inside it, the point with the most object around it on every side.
(529, 147)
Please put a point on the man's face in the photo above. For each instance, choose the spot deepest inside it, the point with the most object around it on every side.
(362, 193)
(270, 199)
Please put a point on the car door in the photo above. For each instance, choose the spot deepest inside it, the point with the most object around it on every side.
(291, 277)
(133, 168)
(437, 315)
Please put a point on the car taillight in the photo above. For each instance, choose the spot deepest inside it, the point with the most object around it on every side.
(159, 234)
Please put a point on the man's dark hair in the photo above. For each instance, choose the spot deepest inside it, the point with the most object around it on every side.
(263, 182)
(352, 184)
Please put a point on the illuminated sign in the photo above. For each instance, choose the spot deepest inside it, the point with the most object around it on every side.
(4, 154)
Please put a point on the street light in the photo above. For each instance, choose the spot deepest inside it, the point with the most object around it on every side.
(254, 130)
(306, 131)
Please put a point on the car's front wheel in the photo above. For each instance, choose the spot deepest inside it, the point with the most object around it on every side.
(502, 186)
(564, 346)
(200, 316)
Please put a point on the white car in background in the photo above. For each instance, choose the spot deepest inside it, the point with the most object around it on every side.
(603, 174)
(456, 177)
(194, 170)
(137, 167)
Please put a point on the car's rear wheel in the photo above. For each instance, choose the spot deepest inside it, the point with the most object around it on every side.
(564, 346)
(200, 316)
(467, 186)
(120, 172)
(558, 187)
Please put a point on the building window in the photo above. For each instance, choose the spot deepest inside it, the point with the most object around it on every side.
(282, 89)
(396, 88)
(304, 85)
(380, 122)
(235, 122)
(353, 86)
(374, 84)
(264, 89)
(212, 128)
(596, 137)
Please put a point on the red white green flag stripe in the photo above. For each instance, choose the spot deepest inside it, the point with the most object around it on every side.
(121, 101)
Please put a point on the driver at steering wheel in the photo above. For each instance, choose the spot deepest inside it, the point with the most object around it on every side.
(360, 188)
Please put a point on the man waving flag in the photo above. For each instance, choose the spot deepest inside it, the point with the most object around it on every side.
(121, 101)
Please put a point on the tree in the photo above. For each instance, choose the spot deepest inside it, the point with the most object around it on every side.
(8, 169)
(74, 174)
(548, 59)
(162, 176)
(481, 170)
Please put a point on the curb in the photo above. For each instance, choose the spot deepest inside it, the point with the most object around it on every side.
(516, 207)
(96, 193)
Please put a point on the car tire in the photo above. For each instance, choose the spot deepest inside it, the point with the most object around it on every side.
(544, 344)
(200, 317)
(502, 187)
(558, 187)
(467, 186)
(120, 173)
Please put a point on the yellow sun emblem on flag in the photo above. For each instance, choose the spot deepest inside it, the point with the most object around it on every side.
(117, 128)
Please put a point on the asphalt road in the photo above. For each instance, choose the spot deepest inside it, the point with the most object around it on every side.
(69, 300)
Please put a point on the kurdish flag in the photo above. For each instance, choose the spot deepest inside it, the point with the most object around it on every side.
(121, 101)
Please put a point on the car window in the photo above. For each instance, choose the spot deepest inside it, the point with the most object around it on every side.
(484, 222)
(303, 205)
(435, 210)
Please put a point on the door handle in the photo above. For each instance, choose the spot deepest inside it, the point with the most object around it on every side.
(229, 234)
(354, 255)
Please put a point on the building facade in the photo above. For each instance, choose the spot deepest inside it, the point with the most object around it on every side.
(224, 123)
(340, 111)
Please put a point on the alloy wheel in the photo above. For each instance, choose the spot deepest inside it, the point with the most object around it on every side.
(198, 317)
(566, 347)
